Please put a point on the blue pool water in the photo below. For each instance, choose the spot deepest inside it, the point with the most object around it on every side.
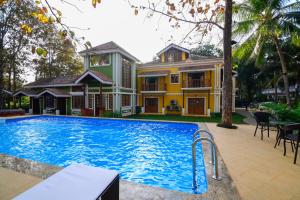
(152, 153)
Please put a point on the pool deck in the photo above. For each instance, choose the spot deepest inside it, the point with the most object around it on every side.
(18, 175)
(259, 171)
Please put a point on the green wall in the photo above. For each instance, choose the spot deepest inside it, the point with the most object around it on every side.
(107, 70)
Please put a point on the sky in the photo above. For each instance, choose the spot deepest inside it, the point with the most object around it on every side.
(114, 20)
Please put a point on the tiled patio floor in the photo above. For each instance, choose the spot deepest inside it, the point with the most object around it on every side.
(13, 183)
(258, 170)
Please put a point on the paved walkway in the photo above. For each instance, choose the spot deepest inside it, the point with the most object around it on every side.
(13, 183)
(247, 114)
(258, 170)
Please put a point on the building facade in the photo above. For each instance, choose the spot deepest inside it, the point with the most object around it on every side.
(175, 83)
(108, 83)
(178, 83)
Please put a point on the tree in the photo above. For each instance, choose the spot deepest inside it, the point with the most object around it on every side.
(205, 16)
(247, 81)
(27, 18)
(263, 22)
(208, 50)
(61, 58)
(13, 16)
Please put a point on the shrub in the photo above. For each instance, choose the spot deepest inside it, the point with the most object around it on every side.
(138, 109)
(108, 114)
(282, 111)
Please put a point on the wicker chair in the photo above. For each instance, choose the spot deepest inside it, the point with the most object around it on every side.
(262, 122)
(292, 133)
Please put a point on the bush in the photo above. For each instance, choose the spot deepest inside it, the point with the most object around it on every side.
(215, 114)
(108, 114)
(282, 111)
(138, 109)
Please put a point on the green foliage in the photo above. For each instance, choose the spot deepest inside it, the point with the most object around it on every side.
(111, 114)
(138, 109)
(25, 101)
(207, 50)
(215, 118)
(259, 22)
(282, 112)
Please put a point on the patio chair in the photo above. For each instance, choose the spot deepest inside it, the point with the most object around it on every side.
(292, 133)
(262, 122)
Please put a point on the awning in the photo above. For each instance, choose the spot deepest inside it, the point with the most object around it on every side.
(154, 73)
(96, 75)
(55, 92)
(196, 68)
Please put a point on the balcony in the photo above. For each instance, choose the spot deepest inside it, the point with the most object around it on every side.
(196, 84)
(153, 88)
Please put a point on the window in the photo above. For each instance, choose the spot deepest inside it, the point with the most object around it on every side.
(126, 73)
(126, 100)
(174, 78)
(173, 55)
(99, 60)
(49, 101)
(110, 102)
(91, 101)
(77, 102)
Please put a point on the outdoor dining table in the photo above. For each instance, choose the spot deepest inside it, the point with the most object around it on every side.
(280, 132)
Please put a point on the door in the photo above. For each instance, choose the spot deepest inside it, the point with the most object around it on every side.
(196, 106)
(36, 106)
(151, 105)
(99, 104)
(61, 105)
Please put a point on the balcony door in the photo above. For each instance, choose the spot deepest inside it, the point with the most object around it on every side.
(151, 105)
(151, 83)
(196, 80)
(196, 106)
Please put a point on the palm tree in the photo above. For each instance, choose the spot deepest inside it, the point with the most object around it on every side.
(261, 23)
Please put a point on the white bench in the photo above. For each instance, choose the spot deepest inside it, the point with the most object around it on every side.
(76, 182)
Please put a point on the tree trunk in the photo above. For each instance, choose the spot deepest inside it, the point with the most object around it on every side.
(14, 81)
(227, 84)
(2, 103)
(284, 71)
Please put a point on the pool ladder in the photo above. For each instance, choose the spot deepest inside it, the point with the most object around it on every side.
(213, 151)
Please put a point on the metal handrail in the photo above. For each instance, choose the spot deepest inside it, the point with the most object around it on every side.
(211, 145)
(216, 175)
(203, 131)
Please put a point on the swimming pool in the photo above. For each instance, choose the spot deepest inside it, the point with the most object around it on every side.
(152, 153)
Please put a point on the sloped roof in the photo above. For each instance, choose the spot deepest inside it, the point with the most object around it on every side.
(196, 68)
(172, 45)
(192, 58)
(154, 73)
(109, 47)
(7, 92)
(55, 92)
(95, 74)
(53, 82)
(26, 92)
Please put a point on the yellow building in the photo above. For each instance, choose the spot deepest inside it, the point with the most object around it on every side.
(178, 83)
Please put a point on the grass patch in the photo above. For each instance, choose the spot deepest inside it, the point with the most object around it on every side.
(236, 118)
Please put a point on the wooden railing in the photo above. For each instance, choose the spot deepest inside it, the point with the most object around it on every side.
(196, 83)
(153, 87)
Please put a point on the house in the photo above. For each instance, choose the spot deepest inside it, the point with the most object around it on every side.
(180, 83)
(108, 83)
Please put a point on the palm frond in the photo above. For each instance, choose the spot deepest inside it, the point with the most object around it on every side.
(244, 51)
(243, 27)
